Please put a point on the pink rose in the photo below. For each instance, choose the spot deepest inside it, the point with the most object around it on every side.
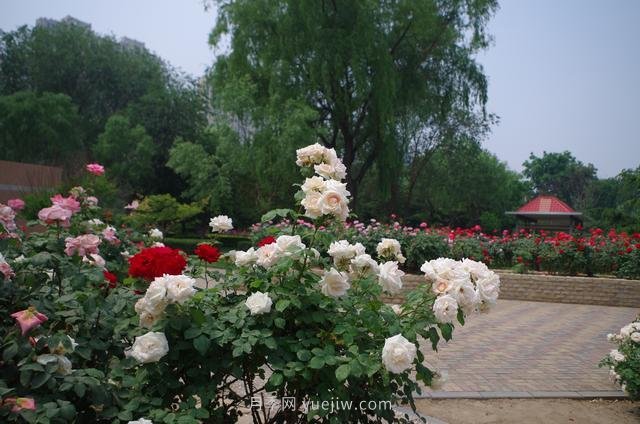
(68, 203)
(95, 169)
(28, 319)
(109, 234)
(7, 218)
(82, 245)
(20, 403)
(55, 213)
(6, 270)
(16, 204)
(133, 205)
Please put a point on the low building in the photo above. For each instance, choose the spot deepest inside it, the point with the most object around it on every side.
(547, 213)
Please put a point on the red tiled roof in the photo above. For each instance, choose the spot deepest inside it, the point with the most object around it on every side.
(546, 204)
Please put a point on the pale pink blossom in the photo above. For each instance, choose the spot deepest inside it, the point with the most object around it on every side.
(69, 203)
(6, 270)
(55, 214)
(16, 204)
(7, 218)
(20, 403)
(95, 169)
(29, 318)
(91, 201)
(109, 234)
(133, 205)
(83, 245)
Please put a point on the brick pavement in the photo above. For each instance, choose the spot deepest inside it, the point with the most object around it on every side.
(530, 349)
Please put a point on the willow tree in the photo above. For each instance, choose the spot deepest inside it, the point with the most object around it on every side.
(380, 81)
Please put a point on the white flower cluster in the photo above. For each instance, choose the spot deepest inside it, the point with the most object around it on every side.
(390, 249)
(351, 261)
(466, 284)
(324, 194)
(161, 292)
(155, 234)
(629, 331)
(269, 254)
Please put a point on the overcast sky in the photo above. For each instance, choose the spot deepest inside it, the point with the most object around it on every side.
(564, 75)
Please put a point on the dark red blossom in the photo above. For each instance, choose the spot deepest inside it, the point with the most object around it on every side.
(111, 278)
(207, 253)
(266, 240)
(155, 262)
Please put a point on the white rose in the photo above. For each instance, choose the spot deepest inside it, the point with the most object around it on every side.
(95, 222)
(149, 347)
(155, 234)
(221, 223)
(310, 155)
(141, 421)
(311, 204)
(489, 287)
(157, 244)
(616, 356)
(245, 258)
(445, 269)
(267, 255)
(259, 303)
(180, 288)
(363, 265)
(335, 171)
(60, 349)
(476, 270)
(445, 308)
(466, 296)
(635, 337)
(439, 378)
(289, 245)
(313, 184)
(334, 203)
(398, 354)
(390, 277)
(64, 364)
(334, 284)
(342, 252)
(390, 249)
(156, 294)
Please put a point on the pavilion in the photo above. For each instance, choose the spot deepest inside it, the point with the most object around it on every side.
(547, 213)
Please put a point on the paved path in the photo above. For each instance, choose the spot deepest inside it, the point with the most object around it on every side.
(531, 349)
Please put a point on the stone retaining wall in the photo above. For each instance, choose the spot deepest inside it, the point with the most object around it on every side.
(552, 288)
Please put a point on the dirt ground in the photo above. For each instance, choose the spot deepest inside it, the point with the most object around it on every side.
(529, 411)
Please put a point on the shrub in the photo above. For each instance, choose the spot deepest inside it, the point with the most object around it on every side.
(624, 362)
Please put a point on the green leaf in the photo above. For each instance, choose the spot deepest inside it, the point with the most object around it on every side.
(279, 322)
(446, 330)
(275, 212)
(276, 379)
(79, 389)
(342, 372)
(10, 351)
(316, 362)
(460, 316)
(303, 355)
(192, 333)
(282, 304)
(202, 343)
(39, 380)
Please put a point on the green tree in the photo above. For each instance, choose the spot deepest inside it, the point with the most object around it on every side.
(560, 174)
(127, 151)
(163, 210)
(364, 77)
(39, 128)
(473, 187)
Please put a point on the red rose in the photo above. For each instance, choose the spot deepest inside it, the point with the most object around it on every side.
(155, 262)
(207, 253)
(111, 278)
(266, 240)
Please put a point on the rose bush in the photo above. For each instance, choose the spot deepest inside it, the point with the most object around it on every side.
(103, 324)
(624, 362)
